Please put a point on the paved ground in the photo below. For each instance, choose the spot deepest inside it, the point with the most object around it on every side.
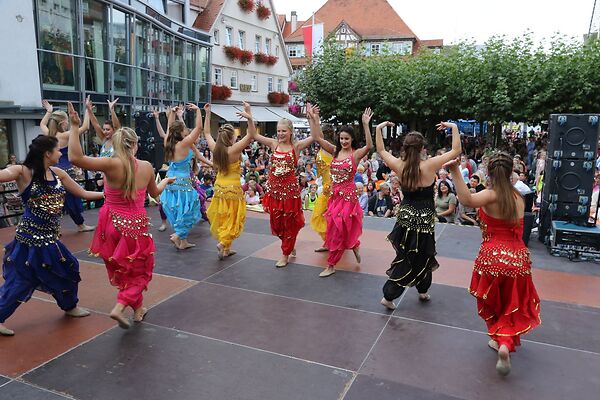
(242, 329)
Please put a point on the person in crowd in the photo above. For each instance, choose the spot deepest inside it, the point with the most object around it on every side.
(227, 210)
(12, 160)
(396, 191)
(359, 176)
(383, 171)
(323, 160)
(475, 183)
(507, 299)
(445, 203)
(282, 200)
(36, 259)
(482, 167)
(467, 215)
(344, 214)
(254, 185)
(443, 177)
(594, 203)
(252, 173)
(371, 191)
(56, 124)
(519, 184)
(465, 168)
(381, 204)
(179, 200)
(363, 198)
(310, 200)
(413, 234)
(252, 197)
(207, 186)
(122, 239)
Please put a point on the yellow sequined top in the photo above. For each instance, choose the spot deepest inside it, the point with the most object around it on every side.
(227, 184)
(323, 169)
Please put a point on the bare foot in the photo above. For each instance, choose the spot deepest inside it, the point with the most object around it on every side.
(357, 254)
(283, 261)
(85, 228)
(321, 249)
(140, 314)
(184, 245)
(503, 364)
(493, 344)
(77, 312)
(117, 315)
(162, 227)
(327, 272)
(4, 331)
(221, 251)
(388, 304)
(424, 297)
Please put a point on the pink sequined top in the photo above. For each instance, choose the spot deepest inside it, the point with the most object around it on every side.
(342, 179)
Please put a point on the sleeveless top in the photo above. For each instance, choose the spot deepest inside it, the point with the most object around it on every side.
(105, 151)
(417, 210)
(227, 184)
(282, 183)
(64, 163)
(342, 178)
(181, 170)
(40, 224)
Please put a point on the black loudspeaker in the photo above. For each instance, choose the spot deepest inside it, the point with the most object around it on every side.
(573, 136)
(571, 181)
(528, 220)
(150, 146)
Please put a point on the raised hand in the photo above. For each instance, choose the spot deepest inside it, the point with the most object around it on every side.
(316, 112)
(191, 106)
(367, 115)
(384, 124)
(111, 104)
(452, 163)
(247, 113)
(49, 108)
(73, 115)
(207, 107)
(444, 125)
(156, 114)
(170, 179)
(88, 104)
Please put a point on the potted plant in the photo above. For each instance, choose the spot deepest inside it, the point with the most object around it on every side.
(292, 86)
(246, 5)
(246, 56)
(263, 11)
(232, 52)
(220, 92)
(274, 97)
(272, 60)
(261, 58)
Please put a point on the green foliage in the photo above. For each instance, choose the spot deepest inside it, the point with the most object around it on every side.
(503, 80)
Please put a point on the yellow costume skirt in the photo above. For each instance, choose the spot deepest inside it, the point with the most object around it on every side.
(227, 215)
(318, 221)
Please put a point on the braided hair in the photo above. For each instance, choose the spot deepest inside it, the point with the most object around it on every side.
(225, 138)
(500, 169)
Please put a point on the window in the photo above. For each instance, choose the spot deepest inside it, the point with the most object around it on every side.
(242, 40)
(216, 37)
(268, 46)
(374, 48)
(254, 83)
(218, 76)
(280, 85)
(277, 51)
(234, 80)
(295, 51)
(269, 84)
(228, 36)
(257, 44)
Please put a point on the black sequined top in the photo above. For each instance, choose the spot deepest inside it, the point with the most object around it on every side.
(417, 211)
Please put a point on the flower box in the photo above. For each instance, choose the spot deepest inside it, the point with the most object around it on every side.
(220, 92)
(246, 5)
(263, 11)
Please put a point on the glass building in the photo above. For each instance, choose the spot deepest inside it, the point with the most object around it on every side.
(126, 49)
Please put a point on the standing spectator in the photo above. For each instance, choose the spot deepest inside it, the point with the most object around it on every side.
(383, 171)
(445, 203)
(358, 177)
(12, 160)
(382, 204)
(311, 197)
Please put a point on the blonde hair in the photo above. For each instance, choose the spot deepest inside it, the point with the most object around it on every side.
(289, 125)
(225, 138)
(56, 118)
(124, 141)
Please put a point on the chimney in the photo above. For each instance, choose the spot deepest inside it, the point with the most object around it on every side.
(294, 21)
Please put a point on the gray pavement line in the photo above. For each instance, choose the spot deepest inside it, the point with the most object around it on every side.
(67, 351)
(295, 298)
(485, 333)
(61, 394)
(435, 235)
(7, 382)
(248, 347)
(224, 269)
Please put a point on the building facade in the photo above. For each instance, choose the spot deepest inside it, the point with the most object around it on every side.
(141, 52)
(249, 60)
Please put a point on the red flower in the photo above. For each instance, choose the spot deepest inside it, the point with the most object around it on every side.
(272, 60)
(233, 53)
(263, 11)
(246, 56)
(261, 58)
(220, 92)
(246, 5)
(274, 97)
(285, 98)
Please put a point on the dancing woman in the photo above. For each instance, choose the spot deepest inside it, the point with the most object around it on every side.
(227, 210)
(107, 130)
(413, 235)
(323, 160)
(180, 200)
(36, 259)
(501, 280)
(282, 200)
(122, 239)
(344, 214)
(56, 124)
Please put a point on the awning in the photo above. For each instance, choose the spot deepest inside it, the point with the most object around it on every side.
(262, 114)
(283, 114)
(227, 112)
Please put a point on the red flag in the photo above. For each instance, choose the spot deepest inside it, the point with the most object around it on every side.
(307, 34)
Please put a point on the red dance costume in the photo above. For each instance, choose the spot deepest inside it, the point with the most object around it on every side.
(501, 282)
(123, 242)
(282, 200)
(344, 214)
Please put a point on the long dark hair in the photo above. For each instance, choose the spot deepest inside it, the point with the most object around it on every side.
(338, 145)
(500, 170)
(35, 157)
(412, 146)
(174, 136)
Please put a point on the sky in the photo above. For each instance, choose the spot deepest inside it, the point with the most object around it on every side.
(453, 20)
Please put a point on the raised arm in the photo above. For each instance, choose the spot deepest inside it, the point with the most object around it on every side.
(207, 135)
(113, 115)
(468, 199)
(159, 128)
(44, 121)
(76, 155)
(192, 138)
(314, 120)
(11, 173)
(435, 163)
(86, 117)
(94, 121)
(244, 142)
(391, 161)
(366, 121)
(200, 157)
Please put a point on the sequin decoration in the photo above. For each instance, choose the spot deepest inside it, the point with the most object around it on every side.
(283, 183)
(323, 162)
(181, 183)
(342, 177)
(411, 218)
(228, 192)
(130, 225)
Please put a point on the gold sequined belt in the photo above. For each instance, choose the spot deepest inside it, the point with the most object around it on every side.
(130, 225)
